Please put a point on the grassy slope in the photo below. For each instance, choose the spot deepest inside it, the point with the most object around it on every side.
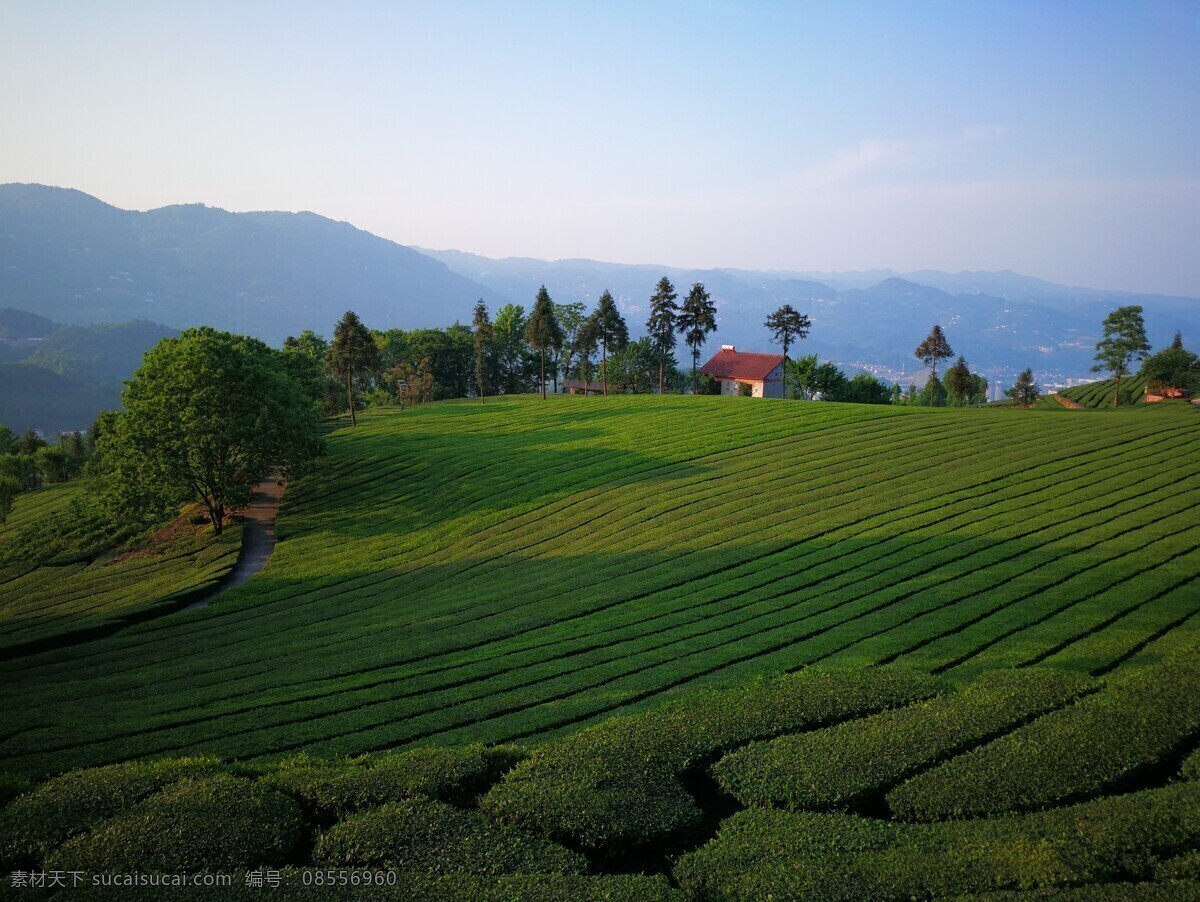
(1098, 395)
(518, 569)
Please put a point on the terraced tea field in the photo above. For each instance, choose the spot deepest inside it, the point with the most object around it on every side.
(1099, 395)
(518, 570)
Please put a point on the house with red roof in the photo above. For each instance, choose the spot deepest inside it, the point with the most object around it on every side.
(762, 372)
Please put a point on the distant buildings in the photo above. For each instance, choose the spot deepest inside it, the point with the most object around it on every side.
(762, 372)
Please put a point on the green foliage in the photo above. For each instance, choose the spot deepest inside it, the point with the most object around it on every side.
(1093, 745)
(764, 853)
(786, 326)
(1025, 391)
(215, 823)
(608, 329)
(1172, 368)
(616, 786)
(29, 442)
(206, 417)
(333, 789)
(697, 318)
(8, 440)
(862, 389)
(516, 368)
(933, 394)
(852, 763)
(932, 351)
(9, 489)
(542, 331)
(1124, 342)
(811, 379)
(1191, 766)
(41, 820)
(745, 390)
(482, 343)
(423, 835)
(352, 354)
(635, 367)
(660, 326)
(1098, 395)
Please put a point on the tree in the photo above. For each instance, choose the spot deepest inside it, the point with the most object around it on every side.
(29, 442)
(931, 352)
(584, 348)
(353, 353)
(610, 331)
(482, 338)
(8, 439)
(571, 318)
(697, 318)
(934, 394)
(542, 331)
(959, 383)
(634, 366)
(1172, 369)
(514, 366)
(310, 344)
(9, 489)
(862, 389)
(809, 377)
(786, 326)
(207, 416)
(661, 325)
(1025, 392)
(1124, 341)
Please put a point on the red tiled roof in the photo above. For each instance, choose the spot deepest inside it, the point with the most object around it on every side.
(741, 365)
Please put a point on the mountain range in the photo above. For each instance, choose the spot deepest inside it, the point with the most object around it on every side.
(75, 259)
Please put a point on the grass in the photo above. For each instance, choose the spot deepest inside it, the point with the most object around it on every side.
(519, 570)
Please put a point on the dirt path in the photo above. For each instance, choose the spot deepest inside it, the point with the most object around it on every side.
(258, 539)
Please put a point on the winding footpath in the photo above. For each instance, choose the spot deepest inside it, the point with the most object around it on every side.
(258, 539)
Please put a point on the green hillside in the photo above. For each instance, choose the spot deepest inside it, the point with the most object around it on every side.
(1097, 395)
(517, 570)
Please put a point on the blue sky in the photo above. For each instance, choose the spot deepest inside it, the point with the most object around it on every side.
(1056, 139)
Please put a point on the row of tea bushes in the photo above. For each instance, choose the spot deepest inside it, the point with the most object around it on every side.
(765, 853)
(215, 823)
(330, 789)
(37, 822)
(615, 786)
(855, 762)
(1102, 742)
(424, 835)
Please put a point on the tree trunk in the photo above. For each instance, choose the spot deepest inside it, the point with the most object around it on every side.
(350, 398)
(216, 515)
(604, 366)
(543, 375)
(660, 376)
(1117, 393)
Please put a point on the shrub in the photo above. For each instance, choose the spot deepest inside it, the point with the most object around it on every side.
(615, 786)
(37, 822)
(424, 835)
(1100, 742)
(762, 853)
(1191, 766)
(217, 823)
(1181, 867)
(853, 762)
(332, 789)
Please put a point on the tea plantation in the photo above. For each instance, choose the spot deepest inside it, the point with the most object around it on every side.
(828, 633)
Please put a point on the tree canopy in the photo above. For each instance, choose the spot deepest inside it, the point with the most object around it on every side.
(787, 325)
(660, 326)
(1124, 341)
(697, 318)
(932, 351)
(610, 331)
(1025, 391)
(482, 339)
(1172, 369)
(542, 330)
(207, 416)
(352, 353)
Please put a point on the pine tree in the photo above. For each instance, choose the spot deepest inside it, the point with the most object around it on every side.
(610, 331)
(352, 353)
(697, 317)
(960, 381)
(542, 330)
(787, 325)
(932, 351)
(484, 338)
(661, 324)
(1025, 392)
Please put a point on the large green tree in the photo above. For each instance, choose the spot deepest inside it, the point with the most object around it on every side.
(932, 351)
(809, 377)
(610, 331)
(661, 324)
(1124, 341)
(352, 353)
(206, 417)
(697, 318)
(542, 331)
(787, 325)
(482, 340)
(1173, 368)
(1025, 391)
(571, 317)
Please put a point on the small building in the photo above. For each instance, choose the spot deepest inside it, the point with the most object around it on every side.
(1165, 393)
(762, 372)
(579, 387)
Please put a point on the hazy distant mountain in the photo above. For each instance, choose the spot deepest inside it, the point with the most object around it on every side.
(57, 378)
(1001, 321)
(75, 259)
